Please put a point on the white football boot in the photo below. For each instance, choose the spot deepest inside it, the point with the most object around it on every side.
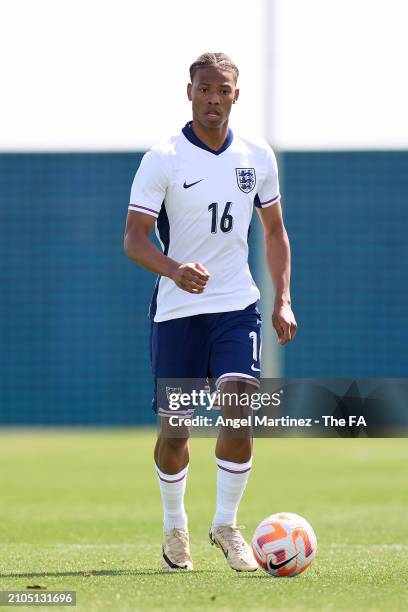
(237, 552)
(176, 550)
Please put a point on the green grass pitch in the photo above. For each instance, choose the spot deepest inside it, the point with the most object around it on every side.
(80, 510)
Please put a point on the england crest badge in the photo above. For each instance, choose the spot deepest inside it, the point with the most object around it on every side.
(246, 179)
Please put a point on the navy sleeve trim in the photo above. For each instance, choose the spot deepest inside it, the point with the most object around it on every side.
(259, 204)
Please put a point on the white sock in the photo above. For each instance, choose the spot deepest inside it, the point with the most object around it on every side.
(231, 482)
(172, 488)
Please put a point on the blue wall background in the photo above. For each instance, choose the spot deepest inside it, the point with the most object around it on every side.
(73, 309)
(347, 217)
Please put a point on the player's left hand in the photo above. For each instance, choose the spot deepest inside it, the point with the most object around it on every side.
(284, 322)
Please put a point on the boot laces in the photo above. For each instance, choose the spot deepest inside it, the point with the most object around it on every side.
(233, 536)
(177, 540)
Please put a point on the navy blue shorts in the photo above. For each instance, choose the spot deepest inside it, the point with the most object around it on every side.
(220, 346)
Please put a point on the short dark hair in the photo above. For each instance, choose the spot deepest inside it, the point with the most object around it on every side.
(220, 60)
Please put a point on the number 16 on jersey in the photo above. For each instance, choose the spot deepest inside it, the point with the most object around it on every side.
(226, 221)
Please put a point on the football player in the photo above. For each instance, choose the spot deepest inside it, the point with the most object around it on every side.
(198, 188)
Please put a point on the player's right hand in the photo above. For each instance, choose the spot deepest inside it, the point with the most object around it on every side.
(191, 277)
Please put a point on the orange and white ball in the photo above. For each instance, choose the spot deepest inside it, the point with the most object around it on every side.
(284, 544)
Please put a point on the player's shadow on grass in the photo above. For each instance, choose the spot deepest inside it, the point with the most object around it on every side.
(90, 573)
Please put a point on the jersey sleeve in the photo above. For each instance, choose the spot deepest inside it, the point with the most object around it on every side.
(268, 192)
(149, 185)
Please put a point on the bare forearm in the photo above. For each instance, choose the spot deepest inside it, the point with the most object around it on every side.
(277, 251)
(144, 253)
(190, 277)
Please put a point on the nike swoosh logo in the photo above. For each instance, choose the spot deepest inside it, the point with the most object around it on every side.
(171, 564)
(218, 544)
(191, 184)
(275, 567)
(254, 369)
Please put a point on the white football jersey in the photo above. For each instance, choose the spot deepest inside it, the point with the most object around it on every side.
(203, 202)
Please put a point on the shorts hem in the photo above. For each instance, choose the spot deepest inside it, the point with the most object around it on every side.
(237, 377)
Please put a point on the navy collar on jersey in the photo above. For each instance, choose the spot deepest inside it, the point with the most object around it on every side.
(189, 134)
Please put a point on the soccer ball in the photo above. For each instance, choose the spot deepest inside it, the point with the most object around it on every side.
(284, 544)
